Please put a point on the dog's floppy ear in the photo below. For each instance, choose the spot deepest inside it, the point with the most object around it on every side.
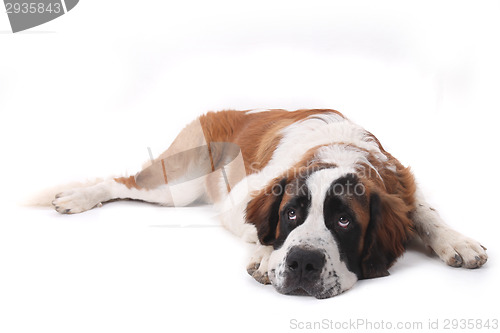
(388, 231)
(263, 210)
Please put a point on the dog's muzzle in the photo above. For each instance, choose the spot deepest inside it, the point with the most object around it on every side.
(303, 271)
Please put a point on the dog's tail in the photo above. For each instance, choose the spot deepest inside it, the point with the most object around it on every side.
(45, 197)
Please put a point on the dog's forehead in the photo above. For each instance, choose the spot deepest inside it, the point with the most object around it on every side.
(320, 182)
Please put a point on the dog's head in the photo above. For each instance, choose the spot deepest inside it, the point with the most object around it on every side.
(329, 228)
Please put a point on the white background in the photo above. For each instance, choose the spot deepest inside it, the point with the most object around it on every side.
(85, 95)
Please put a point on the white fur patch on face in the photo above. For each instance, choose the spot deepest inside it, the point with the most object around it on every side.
(313, 235)
(346, 157)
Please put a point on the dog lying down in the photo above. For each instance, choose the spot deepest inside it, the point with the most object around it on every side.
(319, 196)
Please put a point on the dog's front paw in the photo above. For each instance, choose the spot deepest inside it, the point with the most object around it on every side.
(75, 201)
(258, 265)
(458, 250)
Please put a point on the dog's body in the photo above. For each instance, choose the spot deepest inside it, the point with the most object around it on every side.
(322, 200)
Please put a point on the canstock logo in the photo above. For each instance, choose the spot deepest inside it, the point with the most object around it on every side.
(26, 14)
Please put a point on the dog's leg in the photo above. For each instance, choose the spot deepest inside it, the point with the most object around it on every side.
(82, 199)
(151, 184)
(451, 246)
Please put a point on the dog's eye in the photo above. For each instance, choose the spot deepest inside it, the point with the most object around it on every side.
(291, 214)
(344, 221)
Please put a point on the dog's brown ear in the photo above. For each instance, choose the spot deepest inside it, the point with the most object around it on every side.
(263, 210)
(388, 231)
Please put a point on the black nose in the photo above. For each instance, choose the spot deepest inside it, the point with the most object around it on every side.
(304, 266)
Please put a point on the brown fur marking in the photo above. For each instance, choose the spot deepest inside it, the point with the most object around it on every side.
(128, 181)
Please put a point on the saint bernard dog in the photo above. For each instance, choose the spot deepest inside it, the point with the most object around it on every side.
(324, 203)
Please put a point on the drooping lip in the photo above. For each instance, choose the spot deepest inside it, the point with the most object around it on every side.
(318, 291)
(332, 292)
(322, 295)
(299, 292)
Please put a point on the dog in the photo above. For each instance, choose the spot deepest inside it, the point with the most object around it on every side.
(324, 203)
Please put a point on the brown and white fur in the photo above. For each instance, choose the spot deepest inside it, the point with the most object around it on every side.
(319, 196)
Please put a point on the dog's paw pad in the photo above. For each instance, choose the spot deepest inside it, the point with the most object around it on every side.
(261, 277)
(259, 264)
(72, 202)
(455, 261)
(472, 253)
(252, 267)
(460, 251)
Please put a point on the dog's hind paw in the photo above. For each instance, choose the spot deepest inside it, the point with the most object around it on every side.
(77, 200)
